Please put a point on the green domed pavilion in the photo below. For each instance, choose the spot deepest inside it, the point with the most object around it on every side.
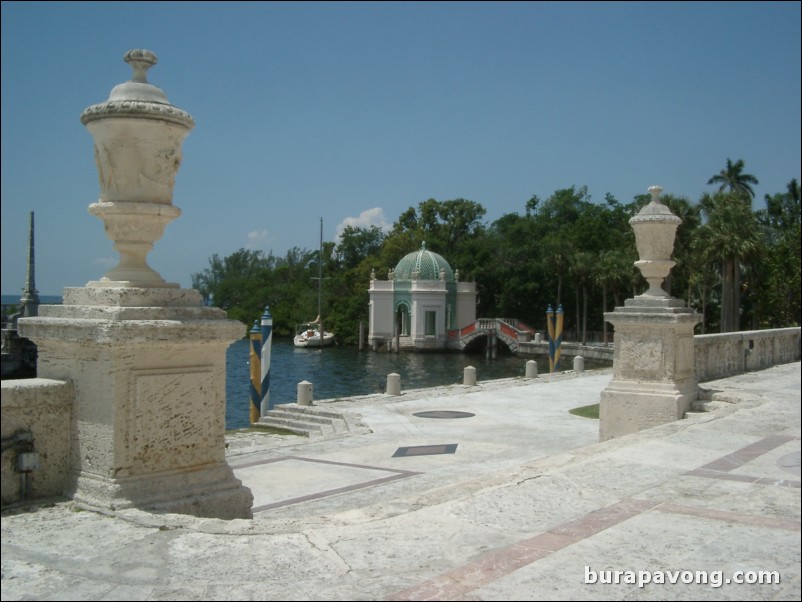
(421, 304)
(423, 265)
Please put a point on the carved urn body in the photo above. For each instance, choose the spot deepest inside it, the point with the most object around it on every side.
(138, 136)
(655, 229)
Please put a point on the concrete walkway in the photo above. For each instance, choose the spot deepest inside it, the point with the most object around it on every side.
(498, 493)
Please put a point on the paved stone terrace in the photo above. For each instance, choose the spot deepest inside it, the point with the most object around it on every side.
(518, 502)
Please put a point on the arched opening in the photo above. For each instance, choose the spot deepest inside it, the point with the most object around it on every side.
(402, 320)
(479, 345)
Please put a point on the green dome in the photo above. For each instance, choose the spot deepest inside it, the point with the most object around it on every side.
(426, 264)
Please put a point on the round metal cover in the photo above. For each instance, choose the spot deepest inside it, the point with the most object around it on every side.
(443, 414)
(791, 462)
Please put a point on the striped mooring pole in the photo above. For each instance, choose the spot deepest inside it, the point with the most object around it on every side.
(550, 330)
(558, 337)
(256, 372)
(267, 340)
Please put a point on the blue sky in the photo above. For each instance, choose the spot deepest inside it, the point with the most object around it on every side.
(353, 112)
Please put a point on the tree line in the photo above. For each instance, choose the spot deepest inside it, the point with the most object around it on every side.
(739, 267)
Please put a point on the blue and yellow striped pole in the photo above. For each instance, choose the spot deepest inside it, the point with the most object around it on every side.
(256, 371)
(558, 337)
(267, 340)
(550, 329)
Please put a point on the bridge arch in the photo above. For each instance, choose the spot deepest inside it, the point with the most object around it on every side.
(507, 330)
(481, 340)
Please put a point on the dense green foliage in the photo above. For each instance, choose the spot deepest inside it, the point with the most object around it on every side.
(740, 268)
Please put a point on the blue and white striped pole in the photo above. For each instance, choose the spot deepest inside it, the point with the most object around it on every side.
(256, 372)
(267, 339)
(558, 337)
(550, 330)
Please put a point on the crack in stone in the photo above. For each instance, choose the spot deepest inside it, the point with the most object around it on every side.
(328, 549)
(522, 481)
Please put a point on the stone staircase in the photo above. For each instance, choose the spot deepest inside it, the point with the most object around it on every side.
(306, 421)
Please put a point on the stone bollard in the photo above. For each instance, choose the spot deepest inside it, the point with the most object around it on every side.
(393, 384)
(579, 364)
(469, 376)
(531, 369)
(304, 393)
(538, 337)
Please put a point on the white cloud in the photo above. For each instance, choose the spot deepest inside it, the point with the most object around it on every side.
(106, 262)
(257, 239)
(366, 219)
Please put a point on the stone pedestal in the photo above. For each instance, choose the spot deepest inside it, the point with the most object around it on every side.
(653, 370)
(149, 370)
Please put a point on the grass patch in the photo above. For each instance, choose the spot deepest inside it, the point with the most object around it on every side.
(591, 411)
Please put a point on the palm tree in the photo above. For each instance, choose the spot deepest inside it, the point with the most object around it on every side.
(733, 178)
(729, 236)
(613, 271)
(779, 299)
(793, 191)
(582, 266)
(782, 210)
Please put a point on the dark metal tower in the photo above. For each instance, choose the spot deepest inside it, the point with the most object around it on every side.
(29, 302)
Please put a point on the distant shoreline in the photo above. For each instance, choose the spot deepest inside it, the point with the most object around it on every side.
(43, 299)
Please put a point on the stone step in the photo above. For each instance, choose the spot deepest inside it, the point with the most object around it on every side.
(311, 410)
(337, 420)
(283, 427)
(305, 429)
(296, 415)
(304, 420)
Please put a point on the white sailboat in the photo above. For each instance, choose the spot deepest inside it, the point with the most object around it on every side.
(308, 335)
(312, 334)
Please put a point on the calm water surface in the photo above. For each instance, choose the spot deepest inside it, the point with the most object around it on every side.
(346, 371)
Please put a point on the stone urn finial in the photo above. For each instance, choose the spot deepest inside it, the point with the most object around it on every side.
(655, 229)
(138, 136)
(140, 61)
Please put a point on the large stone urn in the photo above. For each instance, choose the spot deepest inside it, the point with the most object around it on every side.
(654, 381)
(655, 230)
(147, 358)
(138, 136)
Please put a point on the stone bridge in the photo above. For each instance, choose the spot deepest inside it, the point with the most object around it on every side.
(510, 331)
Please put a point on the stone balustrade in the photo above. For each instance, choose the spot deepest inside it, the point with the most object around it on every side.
(43, 406)
(722, 355)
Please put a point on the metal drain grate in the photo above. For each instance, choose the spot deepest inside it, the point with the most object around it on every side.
(425, 450)
(791, 463)
(443, 414)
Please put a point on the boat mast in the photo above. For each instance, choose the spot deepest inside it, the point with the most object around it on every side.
(320, 281)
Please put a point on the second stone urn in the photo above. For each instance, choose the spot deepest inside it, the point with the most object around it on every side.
(655, 229)
(654, 381)
(138, 136)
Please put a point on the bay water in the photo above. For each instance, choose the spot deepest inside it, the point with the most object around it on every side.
(340, 371)
(345, 371)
